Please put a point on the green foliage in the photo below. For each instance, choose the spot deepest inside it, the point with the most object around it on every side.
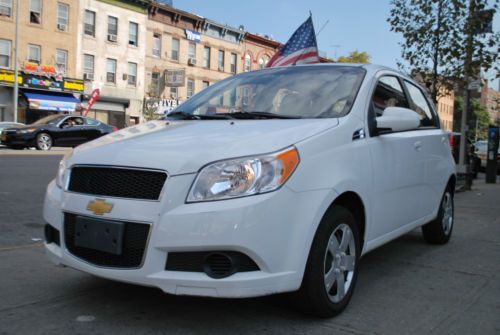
(438, 35)
(479, 114)
(150, 105)
(355, 57)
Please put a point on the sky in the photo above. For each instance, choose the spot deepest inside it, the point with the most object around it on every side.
(352, 24)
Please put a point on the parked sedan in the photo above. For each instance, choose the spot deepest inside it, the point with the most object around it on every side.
(269, 181)
(55, 130)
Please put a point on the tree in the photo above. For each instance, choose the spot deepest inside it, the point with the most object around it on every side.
(438, 35)
(150, 106)
(355, 57)
(480, 118)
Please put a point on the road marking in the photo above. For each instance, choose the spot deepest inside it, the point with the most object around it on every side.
(25, 246)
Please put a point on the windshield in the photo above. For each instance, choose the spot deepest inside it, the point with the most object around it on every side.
(286, 92)
(51, 119)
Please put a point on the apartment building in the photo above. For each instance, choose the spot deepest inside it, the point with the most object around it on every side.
(46, 58)
(111, 44)
(186, 53)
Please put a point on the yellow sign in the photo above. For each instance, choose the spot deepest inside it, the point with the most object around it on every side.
(73, 84)
(99, 206)
(7, 77)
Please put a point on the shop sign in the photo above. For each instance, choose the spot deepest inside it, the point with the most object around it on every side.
(73, 85)
(50, 105)
(193, 35)
(175, 78)
(7, 77)
(45, 83)
(42, 70)
(163, 106)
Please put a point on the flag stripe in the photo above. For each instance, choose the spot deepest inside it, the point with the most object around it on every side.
(300, 48)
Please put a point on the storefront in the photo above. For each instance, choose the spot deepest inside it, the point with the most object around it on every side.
(110, 110)
(42, 92)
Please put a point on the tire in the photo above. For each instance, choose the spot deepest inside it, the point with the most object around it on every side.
(43, 141)
(331, 261)
(439, 230)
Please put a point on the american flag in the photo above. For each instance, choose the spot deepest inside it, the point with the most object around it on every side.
(301, 48)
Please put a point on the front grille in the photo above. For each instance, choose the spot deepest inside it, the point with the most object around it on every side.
(117, 182)
(134, 245)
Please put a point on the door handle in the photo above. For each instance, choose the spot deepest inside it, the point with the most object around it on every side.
(418, 145)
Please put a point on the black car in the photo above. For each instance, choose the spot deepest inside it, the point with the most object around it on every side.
(55, 130)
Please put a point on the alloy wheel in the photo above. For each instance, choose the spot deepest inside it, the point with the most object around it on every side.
(340, 258)
(44, 142)
(447, 207)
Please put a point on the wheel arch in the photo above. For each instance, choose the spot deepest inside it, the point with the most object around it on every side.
(452, 182)
(353, 202)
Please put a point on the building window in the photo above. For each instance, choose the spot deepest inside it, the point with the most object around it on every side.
(34, 53)
(192, 50)
(175, 49)
(233, 63)
(190, 88)
(88, 67)
(206, 57)
(89, 25)
(157, 45)
(205, 84)
(248, 63)
(61, 60)
(133, 31)
(112, 26)
(62, 16)
(36, 11)
(221, 60)
(263, 62)
(5, 51)
(132, 74)
(155, 84)
(6, 8)
(173, 92)
(111, 70)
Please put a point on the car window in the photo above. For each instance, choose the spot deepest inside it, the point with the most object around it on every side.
(388, 93)
(91, 122)
(291, 91)
(421, 106)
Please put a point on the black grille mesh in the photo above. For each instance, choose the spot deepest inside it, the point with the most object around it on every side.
(134, 245)
(117, 182)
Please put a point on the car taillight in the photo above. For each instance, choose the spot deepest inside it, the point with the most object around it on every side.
(115, 129)
(452, 141)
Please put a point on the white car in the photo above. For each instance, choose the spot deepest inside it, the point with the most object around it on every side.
(271, 181)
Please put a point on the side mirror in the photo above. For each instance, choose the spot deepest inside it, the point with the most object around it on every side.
(398, 119)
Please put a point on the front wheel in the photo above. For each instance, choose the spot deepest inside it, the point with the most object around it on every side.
(439, 230)
(43, 141)
(332, 266)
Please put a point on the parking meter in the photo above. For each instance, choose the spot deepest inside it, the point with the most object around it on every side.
(491, 155)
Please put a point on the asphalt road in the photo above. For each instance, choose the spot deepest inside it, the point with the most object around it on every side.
(404, 287)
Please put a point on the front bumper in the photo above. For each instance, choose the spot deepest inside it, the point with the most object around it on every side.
(16, 139)
(275, 230)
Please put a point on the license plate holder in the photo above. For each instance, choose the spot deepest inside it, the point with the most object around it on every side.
(98, 234)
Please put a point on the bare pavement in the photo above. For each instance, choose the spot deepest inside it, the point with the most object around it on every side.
(405, 287)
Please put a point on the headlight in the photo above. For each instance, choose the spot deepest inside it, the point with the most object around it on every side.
(241, 177)
(62, 172)
(26, 131)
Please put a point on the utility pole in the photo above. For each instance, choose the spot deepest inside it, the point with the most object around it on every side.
(16, 67)
(463, 164)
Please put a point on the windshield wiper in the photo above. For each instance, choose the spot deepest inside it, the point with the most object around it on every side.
(188, 116)
(259, 115)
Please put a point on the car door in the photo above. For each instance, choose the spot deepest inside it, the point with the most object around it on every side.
(397, 164)
(71, 131)
(92, 130)
(435, 148)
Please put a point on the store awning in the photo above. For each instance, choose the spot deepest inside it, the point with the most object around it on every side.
(52, 102)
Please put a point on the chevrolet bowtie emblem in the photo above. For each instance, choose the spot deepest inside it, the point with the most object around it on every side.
(99, 206)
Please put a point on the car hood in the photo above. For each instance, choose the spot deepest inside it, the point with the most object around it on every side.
(185, 146)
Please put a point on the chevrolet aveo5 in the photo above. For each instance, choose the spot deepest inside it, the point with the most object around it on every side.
(271, 181)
